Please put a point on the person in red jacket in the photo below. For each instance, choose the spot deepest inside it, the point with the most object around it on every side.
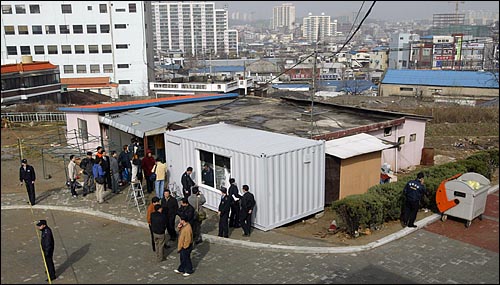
(147, 164)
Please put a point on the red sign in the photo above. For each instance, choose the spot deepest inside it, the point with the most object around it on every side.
(443, 57)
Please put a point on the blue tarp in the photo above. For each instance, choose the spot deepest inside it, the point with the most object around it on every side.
(449, 78)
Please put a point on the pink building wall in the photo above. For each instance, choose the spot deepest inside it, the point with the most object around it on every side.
(93, 129)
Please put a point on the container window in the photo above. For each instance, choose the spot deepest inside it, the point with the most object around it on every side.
(387, 131)
(413, 137)
(82, 129)
(219, 171)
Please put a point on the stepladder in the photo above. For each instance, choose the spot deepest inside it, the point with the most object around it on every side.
(135, 196)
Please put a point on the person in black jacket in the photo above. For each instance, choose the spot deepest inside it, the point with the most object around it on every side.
(47, 242)
(413, 191)
(187, 182)
(224, 207)
(88, 177)
(247, 204)
(234, 217)
(158, 226)
(27, 175)
(170, 207)
(186, 210)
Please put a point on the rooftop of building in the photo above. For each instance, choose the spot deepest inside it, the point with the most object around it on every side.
(137, 104)
(449, 78)
(286, 115)
(25, 67)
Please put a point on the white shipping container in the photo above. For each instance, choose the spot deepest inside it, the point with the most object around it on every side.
(286, 174)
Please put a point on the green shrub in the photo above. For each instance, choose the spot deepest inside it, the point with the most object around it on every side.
(383, 202)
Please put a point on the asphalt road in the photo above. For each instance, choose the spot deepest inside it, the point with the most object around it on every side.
(95, 250)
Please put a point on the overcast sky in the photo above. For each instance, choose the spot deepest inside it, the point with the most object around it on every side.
(390, 10)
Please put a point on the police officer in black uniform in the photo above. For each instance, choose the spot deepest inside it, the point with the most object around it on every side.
(47, 242)
(234, 217)
(413, 192)
(224, 207)
(27, 175)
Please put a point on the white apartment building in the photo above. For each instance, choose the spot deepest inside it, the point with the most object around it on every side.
(399, 50)
(86, 39)
(284, 16)
(314, 25)
(197, 28)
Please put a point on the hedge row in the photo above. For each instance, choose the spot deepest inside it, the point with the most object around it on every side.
(382, 203)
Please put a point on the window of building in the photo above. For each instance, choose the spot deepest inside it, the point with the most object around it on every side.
(91, 29)
(22, 30)
(106, 48)
(413, 137)
(221, 166)
(122, 46)
(52, 49)
(39, 49)
(50, 29)
(120, 26)
(34, 9)
(10, 30)
(104, 29)
(132, 8)
(77, 29)
(25, 50)
(103, 8)
(405, 89)
(93, 49)
(89, 8)
(94, 68)
(68, 69)
(122, 65)
(12, 50)
(82, 129)
(6, 9)
(120, 10)
(387, 131)
(37, 30)
(401, 140)
(66, 49)
(123, 81)
(64, 29)
(79, 49)
(81, 68)
(66, 8)
(20, 9)
(107, 68)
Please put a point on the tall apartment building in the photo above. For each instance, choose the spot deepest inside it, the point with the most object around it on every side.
(197, 28)
(284, 17)
(85, 39)
(314, 25)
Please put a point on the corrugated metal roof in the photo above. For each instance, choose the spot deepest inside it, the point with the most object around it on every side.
(144, 122)
(451, 78)
(147, 103)
(245, 140)
(355, 145)
(24, 67)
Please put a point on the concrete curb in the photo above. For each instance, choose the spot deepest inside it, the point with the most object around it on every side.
(248, 244)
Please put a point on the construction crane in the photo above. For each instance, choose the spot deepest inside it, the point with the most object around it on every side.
(456, 9)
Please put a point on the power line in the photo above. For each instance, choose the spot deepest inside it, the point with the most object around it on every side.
(355, 19)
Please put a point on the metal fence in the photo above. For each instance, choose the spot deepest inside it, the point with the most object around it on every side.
(34, 117)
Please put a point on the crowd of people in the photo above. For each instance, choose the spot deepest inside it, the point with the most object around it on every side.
(101, 172)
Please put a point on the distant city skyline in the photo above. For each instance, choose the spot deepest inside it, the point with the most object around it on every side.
(383, 10)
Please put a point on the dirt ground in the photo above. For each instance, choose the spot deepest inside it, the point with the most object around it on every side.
(52, 173)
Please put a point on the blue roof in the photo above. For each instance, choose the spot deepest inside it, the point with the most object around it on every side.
(230, 68)
(288, 86)
(452, 78)
(129, 105)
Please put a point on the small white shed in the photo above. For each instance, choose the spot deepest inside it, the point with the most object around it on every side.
(285, 173)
